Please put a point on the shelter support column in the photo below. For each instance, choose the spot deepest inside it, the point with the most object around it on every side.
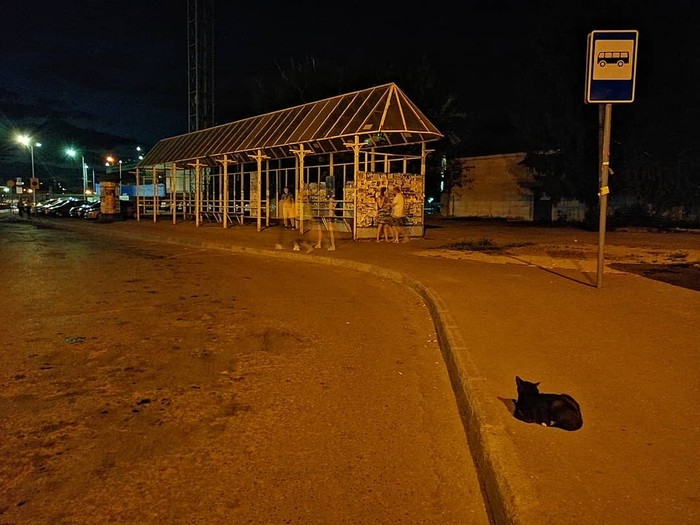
(225, 199)
(423, 156)
(197, 190)
(138, 194)
(155, 194)
(355, 146)
(269, 196)
(173, 192)
(300, 153)
(259, 156)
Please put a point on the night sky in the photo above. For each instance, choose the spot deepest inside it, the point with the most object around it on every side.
(106, 76)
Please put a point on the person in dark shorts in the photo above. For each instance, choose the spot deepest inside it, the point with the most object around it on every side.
(383, 215)
(398, 216)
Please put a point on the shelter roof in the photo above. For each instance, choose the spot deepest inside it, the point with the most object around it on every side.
(381, 116)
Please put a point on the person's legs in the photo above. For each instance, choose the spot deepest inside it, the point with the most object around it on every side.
(319, 235)
(394, 230)
(398, 230)
(386, 228)
(303, 240)
(331, 235)
(284, 237)
(403, 226)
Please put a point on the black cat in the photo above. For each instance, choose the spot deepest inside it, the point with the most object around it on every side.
(552, 410)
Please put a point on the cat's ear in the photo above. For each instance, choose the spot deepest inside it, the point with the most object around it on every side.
(518, 380)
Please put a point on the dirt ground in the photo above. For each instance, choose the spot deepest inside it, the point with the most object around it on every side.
(148, 384)
(671, 256)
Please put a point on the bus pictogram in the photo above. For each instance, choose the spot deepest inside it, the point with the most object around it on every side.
(613, 57)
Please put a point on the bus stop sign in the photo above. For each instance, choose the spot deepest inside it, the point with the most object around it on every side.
(611, 66)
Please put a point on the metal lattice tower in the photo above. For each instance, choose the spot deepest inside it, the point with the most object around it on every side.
(200, 63)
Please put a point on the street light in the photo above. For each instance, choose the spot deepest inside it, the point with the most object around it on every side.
(71, 152)
(29, 143)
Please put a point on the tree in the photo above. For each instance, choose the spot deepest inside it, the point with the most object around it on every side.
(453, 174)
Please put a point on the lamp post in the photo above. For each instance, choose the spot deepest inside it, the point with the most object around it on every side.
(71, 152)
(29, 143)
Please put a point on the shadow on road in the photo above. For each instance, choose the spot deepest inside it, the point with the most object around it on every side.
(683, 275)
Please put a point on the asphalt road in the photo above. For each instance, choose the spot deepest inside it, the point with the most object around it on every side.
(151, 383)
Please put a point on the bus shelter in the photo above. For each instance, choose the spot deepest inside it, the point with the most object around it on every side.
(334, 155)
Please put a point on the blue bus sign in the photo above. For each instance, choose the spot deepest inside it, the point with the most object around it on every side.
(611, 66)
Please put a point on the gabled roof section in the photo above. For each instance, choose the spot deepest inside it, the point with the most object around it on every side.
(382, 116)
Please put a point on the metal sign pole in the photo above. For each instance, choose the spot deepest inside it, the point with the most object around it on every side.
(603, 192)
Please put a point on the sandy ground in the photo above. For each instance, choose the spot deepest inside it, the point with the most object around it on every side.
(144, 384)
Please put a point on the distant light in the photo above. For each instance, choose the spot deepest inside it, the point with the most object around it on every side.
(140, 157)
(71, 152)
(138, 148)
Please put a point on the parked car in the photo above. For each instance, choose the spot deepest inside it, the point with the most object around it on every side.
(48, 205)
(79, 211)
(42, 206)
(93, 213)
(127, 211)
(63, 208)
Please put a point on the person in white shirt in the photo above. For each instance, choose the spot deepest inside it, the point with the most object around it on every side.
(398, 215)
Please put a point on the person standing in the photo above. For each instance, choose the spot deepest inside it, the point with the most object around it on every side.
(398, 215)
(20, 207)
(383, 215)
(287, 202)
(329, 223)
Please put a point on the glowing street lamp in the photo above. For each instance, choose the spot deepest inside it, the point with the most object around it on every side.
(29, 143)
(72, 153)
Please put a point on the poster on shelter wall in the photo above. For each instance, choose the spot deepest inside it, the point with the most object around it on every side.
(369, 186)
